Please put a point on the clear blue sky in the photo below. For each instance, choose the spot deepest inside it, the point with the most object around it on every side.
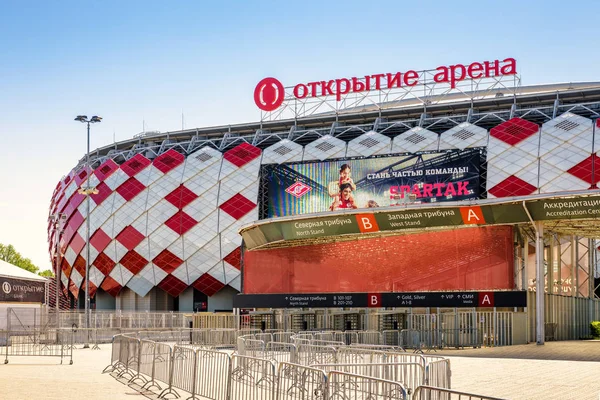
(130, 61)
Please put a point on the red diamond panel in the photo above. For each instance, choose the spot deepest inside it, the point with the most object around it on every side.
(133, 262)
(73, 289)
(167, 261)
(103, 192)
(234, 258)
(169, 160)
(130, 188)
(75, 201)
(104, 263)
(79, 265)
(110, 286)
(77, 243)
(105, 170)
(93, 288)
(242, 154)
(135, 164)
(237, 206)
(81, 176)
(66, 268)
(583, 170)
(130, 237)
(208, 285)
(181, 197)
(514, 131)
(100, 240)
(172, 285)
(67, 179)
(512, 186)
(181, 222)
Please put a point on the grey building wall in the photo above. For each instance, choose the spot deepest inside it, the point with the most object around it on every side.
(105, 301)
(223, 300)
(186, 300)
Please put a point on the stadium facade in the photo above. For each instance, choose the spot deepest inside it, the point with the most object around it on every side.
(165, 222)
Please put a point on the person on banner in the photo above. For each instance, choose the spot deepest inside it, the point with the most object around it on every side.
(344, 199)
(345, 177)
(372, 204)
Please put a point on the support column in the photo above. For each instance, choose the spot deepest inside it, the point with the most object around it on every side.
(573, 288)
(524, 273)
(539, 282)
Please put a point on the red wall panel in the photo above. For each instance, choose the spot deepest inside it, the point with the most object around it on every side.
(462, 259)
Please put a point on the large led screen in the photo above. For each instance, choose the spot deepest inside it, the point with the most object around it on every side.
(309, 187)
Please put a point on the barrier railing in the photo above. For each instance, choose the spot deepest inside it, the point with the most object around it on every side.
(252, 378)
(217, 375)
(213, 376)
(37, 343)
(438, 373)
(343, 385)
(411, 375)
(434, 393)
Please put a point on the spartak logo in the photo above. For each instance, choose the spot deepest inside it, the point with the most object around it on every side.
(298, 189)
(269, 94)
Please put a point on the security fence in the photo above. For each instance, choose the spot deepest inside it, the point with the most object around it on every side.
(351, 372)
(29, 332)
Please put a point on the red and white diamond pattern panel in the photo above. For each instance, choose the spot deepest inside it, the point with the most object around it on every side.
(166, 222)
(172, 222)
(462, 136)
(512, 159)
(282, 152)
(369, 144)
(415, 140)
(323, 148)
(566, 143)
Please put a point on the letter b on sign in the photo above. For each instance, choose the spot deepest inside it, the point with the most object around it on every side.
(374, 300)
(367, 223)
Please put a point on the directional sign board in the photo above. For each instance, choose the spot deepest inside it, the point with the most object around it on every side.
(415, 299)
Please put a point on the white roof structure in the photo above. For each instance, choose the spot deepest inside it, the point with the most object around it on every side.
(9, 270)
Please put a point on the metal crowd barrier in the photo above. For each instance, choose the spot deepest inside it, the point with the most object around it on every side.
(411, 375)
(343, 385)
(37, 343)
(434, 393)
(350, 372)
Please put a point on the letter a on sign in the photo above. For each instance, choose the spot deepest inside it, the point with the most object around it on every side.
(374, 300)
(472, 215)
(367, 223)
(486, 299)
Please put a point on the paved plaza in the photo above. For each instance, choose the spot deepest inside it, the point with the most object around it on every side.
(558, 370)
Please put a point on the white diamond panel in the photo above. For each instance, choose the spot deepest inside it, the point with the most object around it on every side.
(462, 136)
(282, 152)
(415, 140)
(368, 144)
(324, 148)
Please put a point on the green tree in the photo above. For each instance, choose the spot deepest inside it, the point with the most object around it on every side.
(12, 256)
(46, 274)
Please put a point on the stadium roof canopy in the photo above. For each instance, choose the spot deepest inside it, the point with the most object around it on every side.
(575, 214)
(537, 103)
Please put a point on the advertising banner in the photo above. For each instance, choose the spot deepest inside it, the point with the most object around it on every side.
(311, 187)
(20, 290)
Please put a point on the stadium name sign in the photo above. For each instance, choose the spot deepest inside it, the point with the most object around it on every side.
(269, 94)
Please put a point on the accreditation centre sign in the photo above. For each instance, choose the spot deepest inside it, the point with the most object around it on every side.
(496, 212)
(20, 290)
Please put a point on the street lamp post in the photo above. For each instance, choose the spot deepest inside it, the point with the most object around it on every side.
(58, 222)
(87, 191)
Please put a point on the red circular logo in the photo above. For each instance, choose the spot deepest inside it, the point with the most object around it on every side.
(269, 94)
